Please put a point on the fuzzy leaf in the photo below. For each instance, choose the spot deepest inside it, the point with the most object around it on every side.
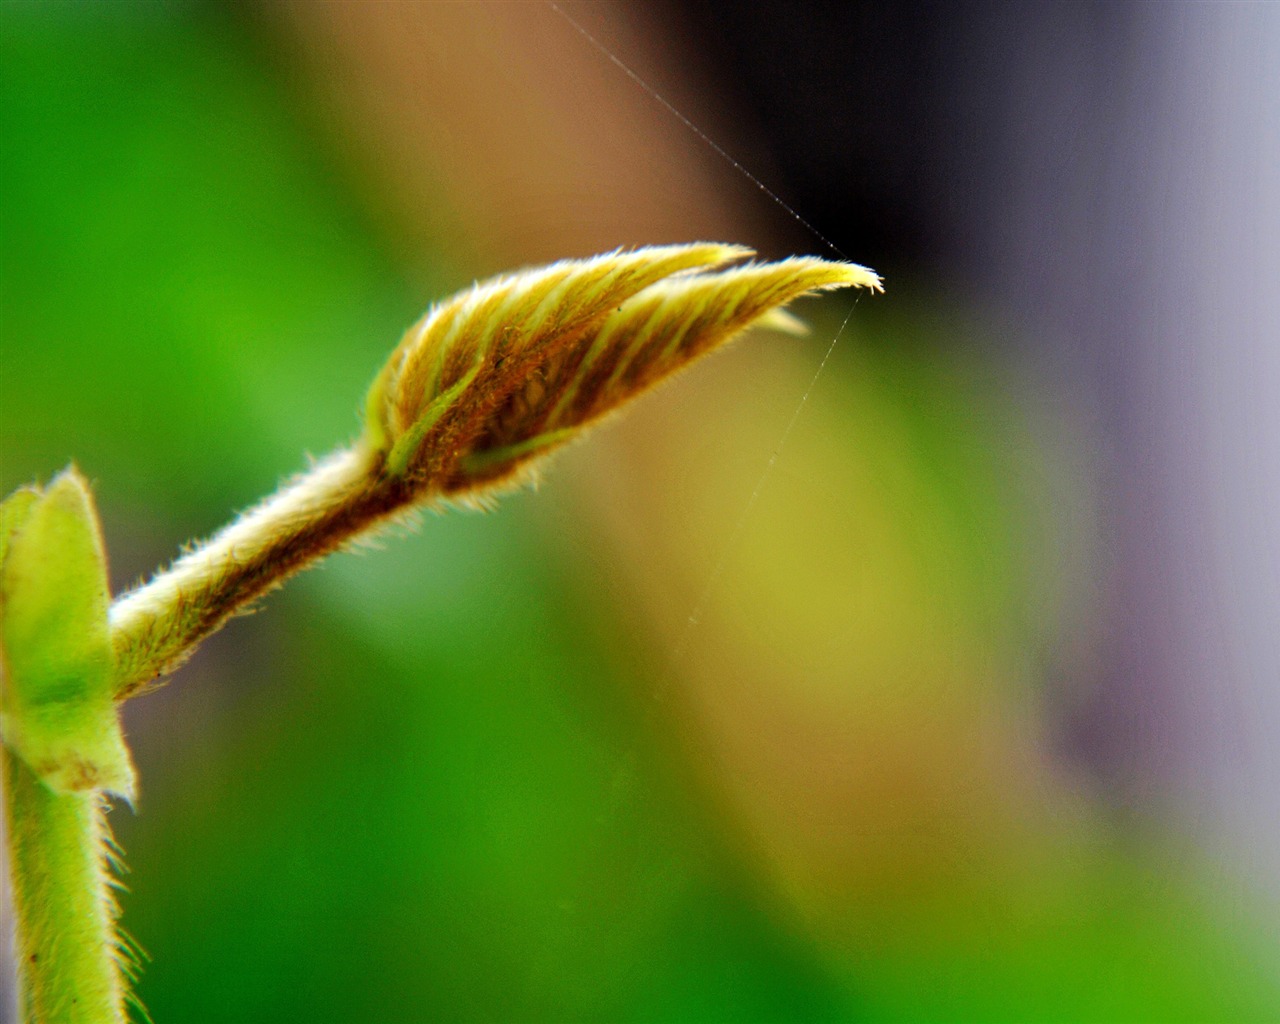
(492, 379)
(56, 709)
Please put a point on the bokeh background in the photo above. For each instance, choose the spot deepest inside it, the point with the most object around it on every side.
(944, 687)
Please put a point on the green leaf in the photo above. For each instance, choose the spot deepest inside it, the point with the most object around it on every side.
(56, 708)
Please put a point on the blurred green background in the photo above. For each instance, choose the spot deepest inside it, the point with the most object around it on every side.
(491, 772)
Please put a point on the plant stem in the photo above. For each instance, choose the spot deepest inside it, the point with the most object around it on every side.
(69, 968)
(155, 626)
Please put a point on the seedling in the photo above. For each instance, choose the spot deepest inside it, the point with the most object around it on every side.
(476, 395)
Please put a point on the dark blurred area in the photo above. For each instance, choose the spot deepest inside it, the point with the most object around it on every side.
(856, 112)
(944, 685)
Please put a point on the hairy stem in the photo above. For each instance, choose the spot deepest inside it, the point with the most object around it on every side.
(154, 627)
(69, 963)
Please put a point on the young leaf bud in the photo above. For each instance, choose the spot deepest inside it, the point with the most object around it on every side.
(495, 377)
